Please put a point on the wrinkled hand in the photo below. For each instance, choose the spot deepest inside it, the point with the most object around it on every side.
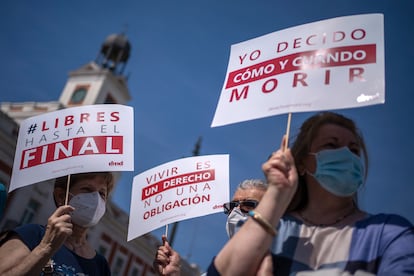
(58, 228)
(167, 261)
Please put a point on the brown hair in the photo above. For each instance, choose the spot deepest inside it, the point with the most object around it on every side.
(108, 177)
(302, 144)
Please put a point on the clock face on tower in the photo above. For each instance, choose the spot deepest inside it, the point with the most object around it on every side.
(79, 94)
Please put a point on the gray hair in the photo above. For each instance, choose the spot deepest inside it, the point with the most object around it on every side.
(252, 184)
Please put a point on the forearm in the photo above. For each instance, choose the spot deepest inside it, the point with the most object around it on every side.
(21, 261)
(244, 252)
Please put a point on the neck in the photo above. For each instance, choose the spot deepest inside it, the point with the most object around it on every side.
(320, 218)
(78, 235)
(325, 209)
(78, 243)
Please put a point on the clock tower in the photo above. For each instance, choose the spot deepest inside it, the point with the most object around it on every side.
(100, 81)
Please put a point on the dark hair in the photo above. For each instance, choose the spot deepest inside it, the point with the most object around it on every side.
(61, 182)
(302, 144)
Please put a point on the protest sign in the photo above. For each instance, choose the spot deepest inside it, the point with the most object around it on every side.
(178, 190)
(74, 140)
(330, 64)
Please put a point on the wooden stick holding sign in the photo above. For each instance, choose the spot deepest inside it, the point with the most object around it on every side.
(67, 190)
(285, 146)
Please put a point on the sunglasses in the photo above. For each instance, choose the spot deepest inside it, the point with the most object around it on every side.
(244, 205)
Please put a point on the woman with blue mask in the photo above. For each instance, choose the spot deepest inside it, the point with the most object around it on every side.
(61, 247)
(309, 216)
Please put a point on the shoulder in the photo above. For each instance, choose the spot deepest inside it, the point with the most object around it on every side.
(212, 270)
(5, 236)
(100, 258)
(102, 263)
(22, 231)
(30, 227)
(30, 234)
(30, 230)
(394, 244)
(385, 220)
(386, 228)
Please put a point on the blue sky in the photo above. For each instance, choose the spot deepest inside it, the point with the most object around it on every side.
(177, 67)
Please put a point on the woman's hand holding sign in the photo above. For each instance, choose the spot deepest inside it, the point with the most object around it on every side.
(280, 172)
(59, 227)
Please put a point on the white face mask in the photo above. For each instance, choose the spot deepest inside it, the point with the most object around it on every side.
(89, 209)
(234, 221)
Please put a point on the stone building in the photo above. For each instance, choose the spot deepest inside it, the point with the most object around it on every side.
(98, 82)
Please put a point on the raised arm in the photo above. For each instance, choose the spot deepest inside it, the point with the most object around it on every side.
(17, 259)
(244, 252)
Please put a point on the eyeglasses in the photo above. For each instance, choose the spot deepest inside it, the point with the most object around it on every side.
(244, 205)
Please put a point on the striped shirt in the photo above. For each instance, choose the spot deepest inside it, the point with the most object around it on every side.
(379, 244)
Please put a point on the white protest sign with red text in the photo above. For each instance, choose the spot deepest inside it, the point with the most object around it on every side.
(330, 64)
(74, 140)
(178, 190)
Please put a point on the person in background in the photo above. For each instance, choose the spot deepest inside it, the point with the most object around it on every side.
(309, 217)
(246, 197)
(61, 247)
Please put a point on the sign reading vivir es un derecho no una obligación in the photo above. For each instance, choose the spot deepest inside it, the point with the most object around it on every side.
(74, 140)
(330, 64)
(178, 190)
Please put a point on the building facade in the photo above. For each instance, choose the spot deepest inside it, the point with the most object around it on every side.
(98, 82)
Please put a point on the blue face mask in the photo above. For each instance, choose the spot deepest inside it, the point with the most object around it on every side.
(339, 171)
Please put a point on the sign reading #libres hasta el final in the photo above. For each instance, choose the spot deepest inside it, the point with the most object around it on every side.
(74, 140)
(330, 64)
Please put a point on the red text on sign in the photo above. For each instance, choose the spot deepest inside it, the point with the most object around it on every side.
(340, 56)
(176, 181)
(71, 147)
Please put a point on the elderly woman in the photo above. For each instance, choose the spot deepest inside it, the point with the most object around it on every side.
(309, 218)
(61, 247)
(246, 197)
